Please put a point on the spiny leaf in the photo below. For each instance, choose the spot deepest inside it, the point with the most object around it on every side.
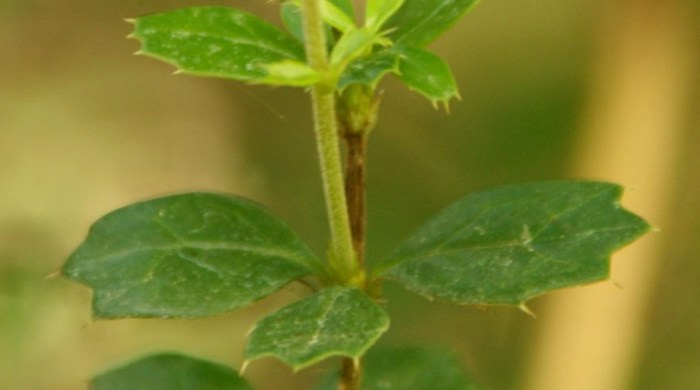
(419, 22)
(215, 41)
(337, 321)
(187, 255)
(369, 70)
(170, 371)
(510, 244)
(409, 368)
(427, 74)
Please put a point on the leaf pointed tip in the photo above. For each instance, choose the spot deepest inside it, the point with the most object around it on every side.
(244, 366)
(130, 20)
(523, 307)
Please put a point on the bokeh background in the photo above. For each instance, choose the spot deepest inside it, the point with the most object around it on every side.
(596, 89)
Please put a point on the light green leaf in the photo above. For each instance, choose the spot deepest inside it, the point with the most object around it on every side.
(346, 6)
(409, 368)
(514, 243)
(337, 16)
(427, 74)
(419, 22)
(292, 73)
(215, 41)
(189, 255)
(337, 321)
(368, 70)
(378, 11)
(170, 371)
(351, 45)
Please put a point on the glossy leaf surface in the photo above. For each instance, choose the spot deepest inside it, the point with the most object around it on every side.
(419, 22)
(216, 41)
(427, 74)
(336, 321)
(187, 255)
(170, 371)
(510, 244)
(410, 368)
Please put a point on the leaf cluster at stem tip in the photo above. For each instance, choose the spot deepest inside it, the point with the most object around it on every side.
(231, 43)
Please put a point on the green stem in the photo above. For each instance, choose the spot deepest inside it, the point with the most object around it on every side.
(342, 258)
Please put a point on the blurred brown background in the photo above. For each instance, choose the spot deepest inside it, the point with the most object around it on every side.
(551, 90)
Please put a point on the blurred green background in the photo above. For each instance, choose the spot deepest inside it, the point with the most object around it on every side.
(551, 89)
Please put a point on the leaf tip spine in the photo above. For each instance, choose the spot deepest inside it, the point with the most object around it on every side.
(523, 307)
(244, 366)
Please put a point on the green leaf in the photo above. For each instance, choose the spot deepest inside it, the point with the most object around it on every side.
(378, 11)
(427, 74)
(169, 371)
(346, 6)
(336, 14)
(215, 41)
(337, 321)
(419, 22)
(368, 70)
(511, 244)
(290, 13)
(352, 45)
(409, 368)
(189, 255)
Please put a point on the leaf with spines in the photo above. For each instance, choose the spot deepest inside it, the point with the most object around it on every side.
(216, 41)
(370, 69)
(336, 321)
(427, 74)
(505, 246)
(170, 371)
(419, 22)
(409, 368)
(189, 255)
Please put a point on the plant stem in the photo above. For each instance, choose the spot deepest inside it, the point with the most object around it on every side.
(350, 375)
(355, 184)
(342, 260)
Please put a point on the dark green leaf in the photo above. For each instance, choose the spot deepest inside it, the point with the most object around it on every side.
(370, 69)
(170, 371)
(409, 368)
(427, 74)
(336, 321)
(419, 22)
(510, 244)
(216, 41)
(187, 255)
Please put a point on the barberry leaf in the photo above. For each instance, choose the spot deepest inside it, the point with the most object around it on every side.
(336, 321)
(505, 246)
(170, 371)
(370, 69)
(419, 22)
(427, 74)
(216, 41)
(409, 368)
(378, 11)
(189, 255)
